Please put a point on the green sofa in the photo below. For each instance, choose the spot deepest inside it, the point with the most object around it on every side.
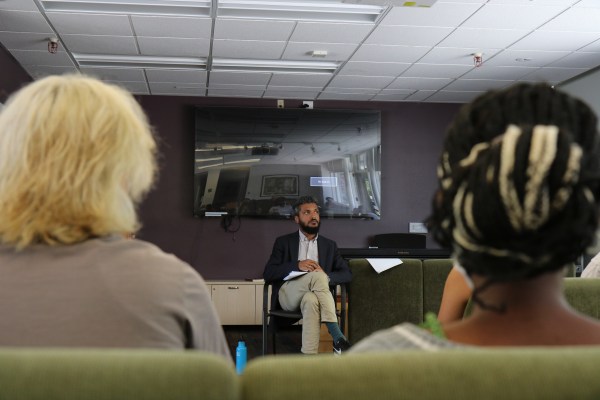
(407, 292)
(508, 373)
(77, 374)
(403, 293)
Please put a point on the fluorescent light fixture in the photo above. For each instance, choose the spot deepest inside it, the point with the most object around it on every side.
(395, 3)
(299, 10)
(313, 67)
(137, 61)
(209, 159)
(248, 160)
(210, 166)
(141, 7)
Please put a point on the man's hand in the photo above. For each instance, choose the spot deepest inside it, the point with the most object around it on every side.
(309, 265)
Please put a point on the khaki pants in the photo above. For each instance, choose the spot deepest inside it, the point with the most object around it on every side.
(309, 293)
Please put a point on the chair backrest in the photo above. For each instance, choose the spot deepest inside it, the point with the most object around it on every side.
(74, 374)
(435, 272)
(400, 240)
(496, 374)
(378, 301)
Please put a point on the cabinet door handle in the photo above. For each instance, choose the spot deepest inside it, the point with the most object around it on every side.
(233, 287)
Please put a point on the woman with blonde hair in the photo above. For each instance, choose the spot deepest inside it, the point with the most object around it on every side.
(76, 156)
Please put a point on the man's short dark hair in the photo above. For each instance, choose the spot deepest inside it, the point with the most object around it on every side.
(304, 200)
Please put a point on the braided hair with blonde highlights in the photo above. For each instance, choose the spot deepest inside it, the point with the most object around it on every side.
(519, 183)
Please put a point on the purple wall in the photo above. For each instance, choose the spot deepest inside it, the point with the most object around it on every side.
(13, 76)
(411, 142)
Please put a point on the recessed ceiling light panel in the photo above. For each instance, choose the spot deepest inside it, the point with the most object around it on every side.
(143, 7)
(299, 11)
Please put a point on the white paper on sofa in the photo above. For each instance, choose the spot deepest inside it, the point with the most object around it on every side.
(383, 264)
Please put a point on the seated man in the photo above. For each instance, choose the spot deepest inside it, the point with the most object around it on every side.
(307, 251)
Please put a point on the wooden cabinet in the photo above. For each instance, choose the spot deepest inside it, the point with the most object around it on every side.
(237, 302)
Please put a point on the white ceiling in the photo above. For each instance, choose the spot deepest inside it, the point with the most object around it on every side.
(406, 54)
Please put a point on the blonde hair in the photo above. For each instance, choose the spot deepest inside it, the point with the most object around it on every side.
(76, 156)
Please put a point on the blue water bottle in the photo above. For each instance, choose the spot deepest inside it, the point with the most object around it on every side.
(241, 356)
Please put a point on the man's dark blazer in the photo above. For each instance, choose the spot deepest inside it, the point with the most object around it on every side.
(284, 259)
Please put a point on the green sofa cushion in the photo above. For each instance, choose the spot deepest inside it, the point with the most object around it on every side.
(378, 301)
(72, 374)
(490, 374)
(435, 272)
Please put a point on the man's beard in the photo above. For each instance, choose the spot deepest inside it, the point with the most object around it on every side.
(311, 230)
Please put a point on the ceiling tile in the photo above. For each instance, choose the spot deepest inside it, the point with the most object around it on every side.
(133, 87)
(175, 90)
(31, 57)
(578, 19)
(306, 80)
(436, 71)
(381, 53)
(420, 95)
(264, 30)
(555, 41)
(592, 47)
(378, 69)
(300, 95)
(248, 49)
(116, 74)
(274, 88)
(235, 93)
(500, 73)
(527, 58)
(91, 24)
(389, 97)
(303, 51)
(39, 71)
(23, 21)
(478, 38)
(345, 96)
(333, 33)
(554, 75)
(227, 86)
(578, 60)
(419, 83)
(25, 41)
(476, 85)
(177, 76)
(453, 55)
(180, 27)
(518, 16)
(441, 14)
(371, 91)
(100, 44)
(174, 47)
(240, 78)
(444, 96)
(408, 35)
(22, 5)
(354, 81)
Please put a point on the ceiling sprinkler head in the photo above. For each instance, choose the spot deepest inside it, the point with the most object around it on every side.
(478, 59)
(52, 45)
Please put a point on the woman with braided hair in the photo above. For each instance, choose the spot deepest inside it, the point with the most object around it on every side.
(518, 200)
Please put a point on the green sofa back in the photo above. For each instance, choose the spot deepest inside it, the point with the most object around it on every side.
(507, 373)
(403, 293)
(73, 374)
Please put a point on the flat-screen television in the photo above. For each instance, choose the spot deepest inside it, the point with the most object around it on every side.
(256, 162)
